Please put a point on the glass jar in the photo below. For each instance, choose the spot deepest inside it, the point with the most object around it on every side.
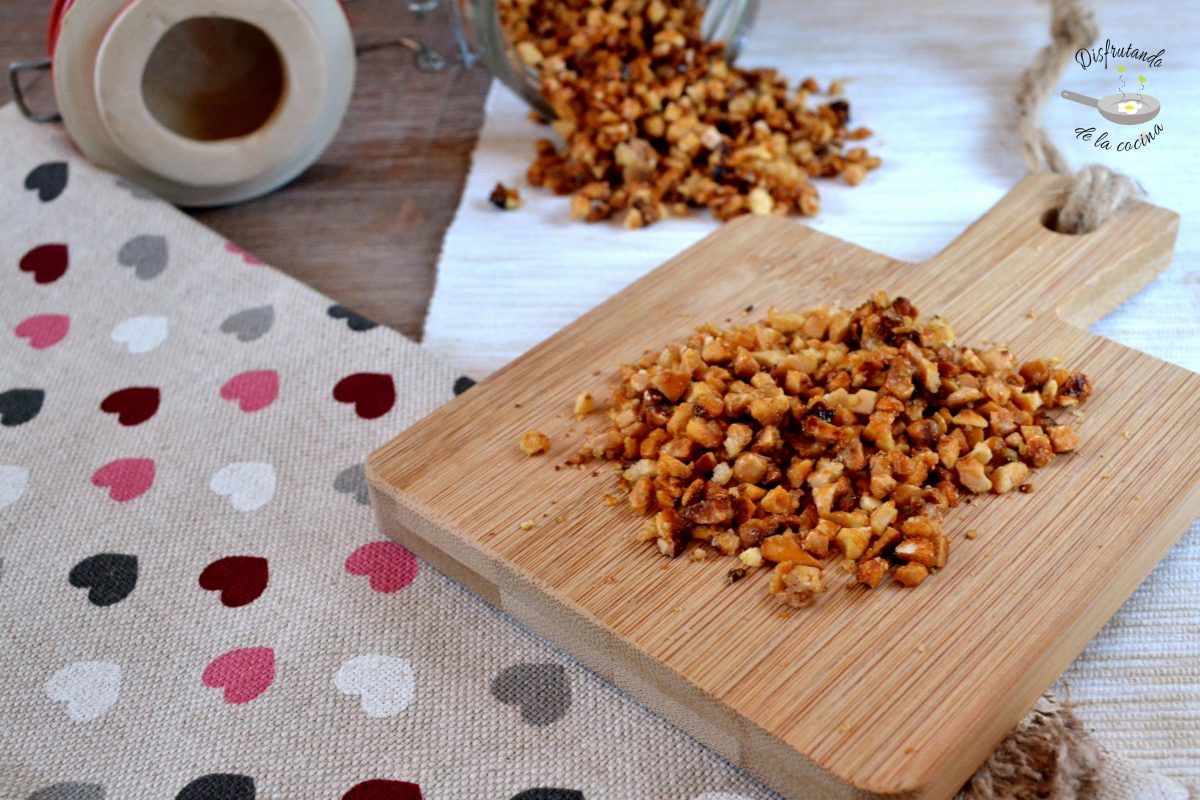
(481, 39)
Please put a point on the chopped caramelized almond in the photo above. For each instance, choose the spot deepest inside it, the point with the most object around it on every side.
(853, 541)
(786, 547)
(777, 501)
(816, 543)
(911, 574)
(534, 442)
(797, 585)
(752, 558)
(1062, 438)
(584, 403)
(872, 571)
(505, 198)
(1008, 477)
(919, 550)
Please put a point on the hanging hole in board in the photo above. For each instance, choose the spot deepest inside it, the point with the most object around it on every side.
(213, 78)
(1050, 223)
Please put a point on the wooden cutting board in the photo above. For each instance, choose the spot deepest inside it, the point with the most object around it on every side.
(890, 692)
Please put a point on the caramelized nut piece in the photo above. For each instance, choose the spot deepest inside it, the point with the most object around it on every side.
(727, 542)
(750, 467)
(672, 467)
(786, 547)
(817, 543)
(671, 383)
(911, 574)
(920, 551)
(505, 198)
(871, 571)
(1063, 438)
(971, 475)
(1009, 477)
(534, 442)
(883, 516)
(777, 501)
(705, 432)
(736, 438)
(752, 558)
(853, 541)
(770, 410)
(796, 585)
(641, 496)
(584, 403)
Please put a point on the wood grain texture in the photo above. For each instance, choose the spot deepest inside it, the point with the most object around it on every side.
(364, 224)
(868, 693)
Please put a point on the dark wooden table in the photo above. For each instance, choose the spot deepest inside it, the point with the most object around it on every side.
(364, 224)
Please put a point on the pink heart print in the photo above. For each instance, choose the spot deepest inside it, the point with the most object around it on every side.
(247, 257)
(125, 478)
(390, 566)
(44, 330)
(244, 674)
(254, 390)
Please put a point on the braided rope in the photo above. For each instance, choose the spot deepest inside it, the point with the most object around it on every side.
(1096, 191)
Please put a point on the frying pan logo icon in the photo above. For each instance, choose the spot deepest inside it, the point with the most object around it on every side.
(1123, 108)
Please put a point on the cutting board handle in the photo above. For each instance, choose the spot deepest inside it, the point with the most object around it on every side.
(1012, 253)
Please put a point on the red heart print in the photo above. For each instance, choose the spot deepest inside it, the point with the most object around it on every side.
(247, 257)
(47, 262)
(379, 789)
(126, 478)
(133, 405)
(254, 390)
(239, 579)
(44, 330)
(390, 566)
(244, 673)
(372, 393)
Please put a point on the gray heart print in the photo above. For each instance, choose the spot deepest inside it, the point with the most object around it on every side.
(353, 480)
(541, 690)
(69, 791)
(147, 254)
(250, 324)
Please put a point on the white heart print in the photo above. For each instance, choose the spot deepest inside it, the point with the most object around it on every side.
(13, 481)
(248, 485)
(141, 334)
(385, 684)
(89, 688)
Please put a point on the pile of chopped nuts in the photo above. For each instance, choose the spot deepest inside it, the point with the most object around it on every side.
(808, 435)
(656, 121)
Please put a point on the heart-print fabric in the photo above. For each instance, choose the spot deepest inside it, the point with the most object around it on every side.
(191, 578)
